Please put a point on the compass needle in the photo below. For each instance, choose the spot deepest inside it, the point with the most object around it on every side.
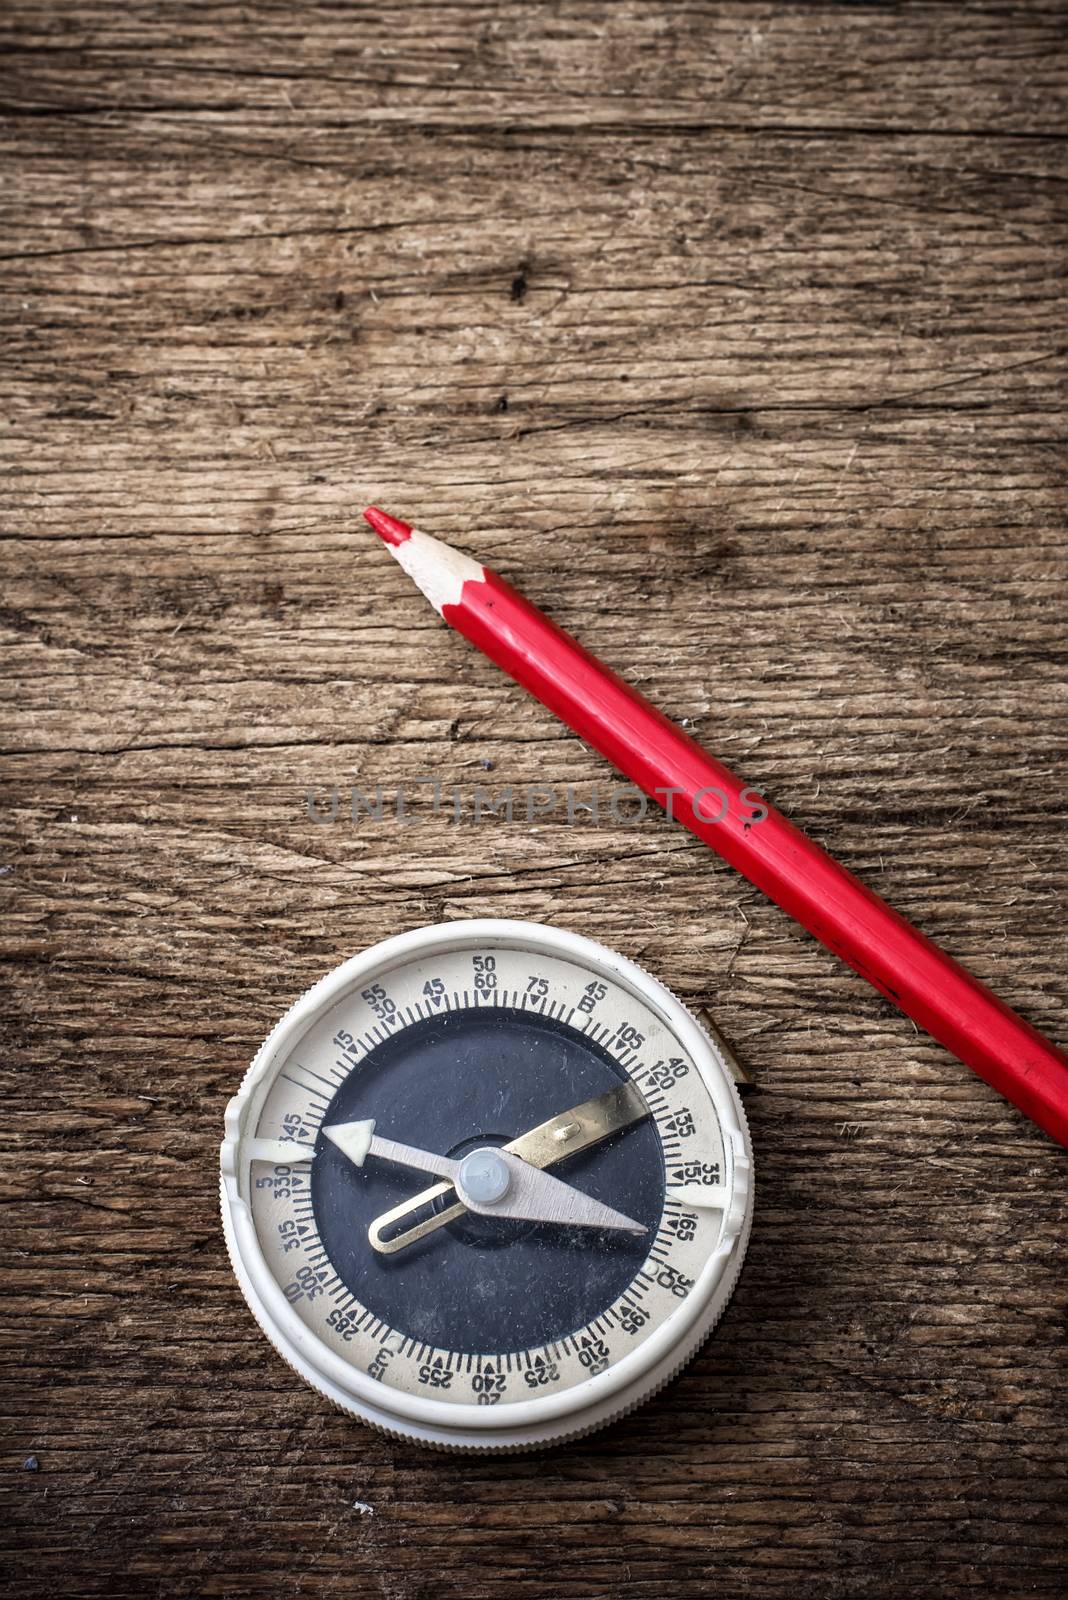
(561, 1136)
(493, 1183)
(543, 1281)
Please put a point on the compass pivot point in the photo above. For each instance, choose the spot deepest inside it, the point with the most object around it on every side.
(484, 1177)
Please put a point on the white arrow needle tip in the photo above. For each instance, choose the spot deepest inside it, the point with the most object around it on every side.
(353, 1139)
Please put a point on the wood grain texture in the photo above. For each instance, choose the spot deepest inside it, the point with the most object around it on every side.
(748, 319)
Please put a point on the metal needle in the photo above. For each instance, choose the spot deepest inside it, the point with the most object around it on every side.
(542, 1146)
(491, 1182)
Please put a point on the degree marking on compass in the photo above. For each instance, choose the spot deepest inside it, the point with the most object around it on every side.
(299, 1065)
(306, 1087)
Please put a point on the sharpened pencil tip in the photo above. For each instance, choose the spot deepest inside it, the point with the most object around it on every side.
(390, 529)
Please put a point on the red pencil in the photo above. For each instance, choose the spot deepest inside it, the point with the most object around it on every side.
(898, 960)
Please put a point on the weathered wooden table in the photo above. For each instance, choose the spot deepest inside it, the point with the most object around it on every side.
(774, 290)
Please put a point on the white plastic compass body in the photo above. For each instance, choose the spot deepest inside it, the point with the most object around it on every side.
(487, 1185)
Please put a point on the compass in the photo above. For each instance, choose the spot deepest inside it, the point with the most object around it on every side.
(487, 1185)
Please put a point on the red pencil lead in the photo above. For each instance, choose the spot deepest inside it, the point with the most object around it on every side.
(390, 529)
